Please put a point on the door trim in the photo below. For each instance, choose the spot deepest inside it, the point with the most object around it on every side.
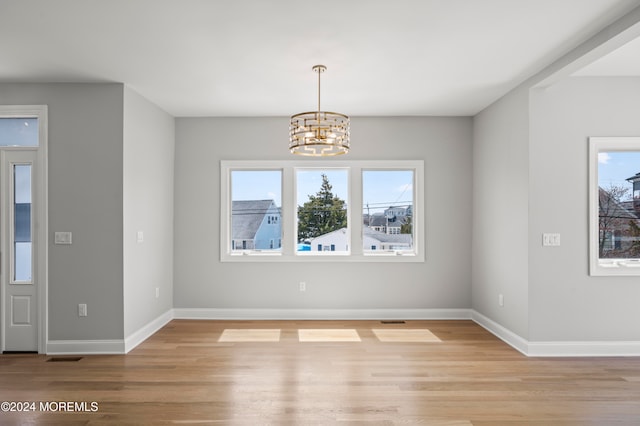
(40, 214)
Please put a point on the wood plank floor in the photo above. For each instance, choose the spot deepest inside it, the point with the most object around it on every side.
(458, 375)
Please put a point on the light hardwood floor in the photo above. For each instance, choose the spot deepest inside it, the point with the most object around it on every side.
(444, 373)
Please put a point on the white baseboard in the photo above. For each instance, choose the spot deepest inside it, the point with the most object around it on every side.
(139, 336)
(504, 334)
(108, 347)
(85, 347)
(319, 314)
(532, 349)
(584, 349)
(558, 349)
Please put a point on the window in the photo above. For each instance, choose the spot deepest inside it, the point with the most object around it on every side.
(322, 210)
(19, 131)
(387, 216)
(614, 203)
(322, 199)
(22, 244)
(255, 211)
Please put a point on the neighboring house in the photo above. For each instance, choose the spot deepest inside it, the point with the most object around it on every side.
(635, 181)
(255, 225)
(372, 240)
(378, 222)
(337, 240)
(390, 221)
(619, 226)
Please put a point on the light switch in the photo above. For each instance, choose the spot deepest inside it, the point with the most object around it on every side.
(139, 236)
(62, 238)
(551, 240)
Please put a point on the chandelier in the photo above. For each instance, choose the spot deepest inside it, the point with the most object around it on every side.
(319, 133)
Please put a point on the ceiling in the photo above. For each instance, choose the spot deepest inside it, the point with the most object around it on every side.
(254, 57)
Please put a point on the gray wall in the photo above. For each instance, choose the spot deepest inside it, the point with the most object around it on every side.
(565, 302)
(530, 177)
(85, 197)
(443, 281)
(149, 134)
(500, 211)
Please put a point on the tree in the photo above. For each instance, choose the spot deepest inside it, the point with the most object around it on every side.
(634, 232)
(323, 213)
(613, 219)
(406, 227)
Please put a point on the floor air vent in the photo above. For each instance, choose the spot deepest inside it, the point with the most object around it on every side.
(65, 359)
(393, 322)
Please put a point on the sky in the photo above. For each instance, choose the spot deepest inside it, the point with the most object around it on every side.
(18, 131)
(381, 188)
(614, 167)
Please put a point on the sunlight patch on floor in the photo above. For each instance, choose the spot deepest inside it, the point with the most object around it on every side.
(328, 335)
(250, 335)
(419, 335)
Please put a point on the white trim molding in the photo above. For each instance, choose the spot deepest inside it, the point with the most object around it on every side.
(41, 212)
(139, 336)
(584, 349)
(504, 334)
(608, 266)
(560, 348)
(109, 347)
(85, 347)
(355, 207)
(527, 348)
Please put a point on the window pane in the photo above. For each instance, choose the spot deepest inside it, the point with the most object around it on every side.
(387, 201)
(322, 200)
(18, 131)
(22, 223)
(619, 205)
(256, 220)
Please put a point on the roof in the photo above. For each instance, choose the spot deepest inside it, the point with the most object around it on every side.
(247, 215)
(387, 238)
(337, 231)
(380, 236)
(379, 219)
(634, 178)
(616, 209)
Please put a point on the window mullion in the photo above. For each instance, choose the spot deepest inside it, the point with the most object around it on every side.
(288, 212)
(355, 210)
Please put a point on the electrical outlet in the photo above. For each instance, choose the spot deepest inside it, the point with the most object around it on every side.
(82, 310)
(303, 286)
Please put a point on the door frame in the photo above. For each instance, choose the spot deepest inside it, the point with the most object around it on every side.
(40, 218)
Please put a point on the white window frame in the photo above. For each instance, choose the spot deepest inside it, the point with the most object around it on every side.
(289, 251)
(326, 249)
(597, 266)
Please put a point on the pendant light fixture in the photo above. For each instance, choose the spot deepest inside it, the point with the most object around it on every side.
(319, 133)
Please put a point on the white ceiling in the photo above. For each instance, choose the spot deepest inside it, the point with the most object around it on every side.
(254, 57)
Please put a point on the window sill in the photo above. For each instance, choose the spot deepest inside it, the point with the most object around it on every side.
(320, 258)
(609, 267)
(616, 263)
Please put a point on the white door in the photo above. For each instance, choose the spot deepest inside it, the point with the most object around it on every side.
(18, 277)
